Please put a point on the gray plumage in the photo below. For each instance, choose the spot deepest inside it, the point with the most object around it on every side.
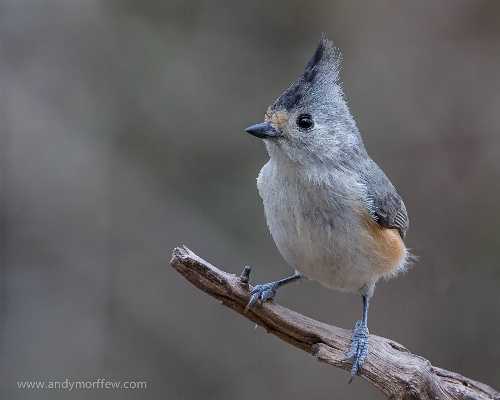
(334, 215)
(318, 89)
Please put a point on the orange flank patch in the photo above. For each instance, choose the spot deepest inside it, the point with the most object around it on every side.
(386, 244)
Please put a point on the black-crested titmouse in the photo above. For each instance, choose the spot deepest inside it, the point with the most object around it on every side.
(334, 215)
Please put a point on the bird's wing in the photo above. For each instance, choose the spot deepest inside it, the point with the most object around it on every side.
(389, 211)
(383, 201)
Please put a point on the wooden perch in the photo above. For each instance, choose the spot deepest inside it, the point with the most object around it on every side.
(392, 368)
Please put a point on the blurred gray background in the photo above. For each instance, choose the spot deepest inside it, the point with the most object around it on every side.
(122, 136)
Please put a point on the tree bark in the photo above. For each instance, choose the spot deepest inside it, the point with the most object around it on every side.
(392, 368)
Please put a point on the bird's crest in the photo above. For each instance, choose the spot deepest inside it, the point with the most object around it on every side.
(321, 75)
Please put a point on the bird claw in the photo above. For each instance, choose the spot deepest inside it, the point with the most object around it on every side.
(264, 292)
(359, 348)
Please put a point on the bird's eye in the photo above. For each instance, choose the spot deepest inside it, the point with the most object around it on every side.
(305, 122)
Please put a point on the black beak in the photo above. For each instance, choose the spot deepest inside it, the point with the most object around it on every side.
(263, 130)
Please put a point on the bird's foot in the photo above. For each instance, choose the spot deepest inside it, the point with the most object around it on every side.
(359, 348)
(264, 292)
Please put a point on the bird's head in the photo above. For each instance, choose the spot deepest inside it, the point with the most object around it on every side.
(310, 121)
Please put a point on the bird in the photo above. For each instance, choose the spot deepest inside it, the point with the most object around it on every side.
(333, 213)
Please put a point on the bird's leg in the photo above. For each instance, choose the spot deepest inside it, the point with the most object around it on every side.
(359, 346)
(267, 291)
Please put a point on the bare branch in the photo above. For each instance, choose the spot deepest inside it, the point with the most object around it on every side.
(389, 366)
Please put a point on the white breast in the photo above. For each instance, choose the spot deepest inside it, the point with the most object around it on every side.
(316, 226)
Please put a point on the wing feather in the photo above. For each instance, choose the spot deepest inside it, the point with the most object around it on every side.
(384, 203)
